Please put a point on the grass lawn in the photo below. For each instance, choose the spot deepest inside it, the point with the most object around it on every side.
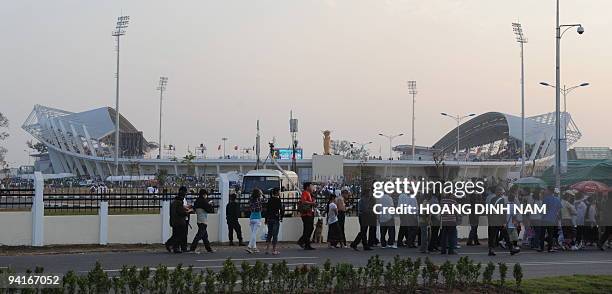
(568, 284)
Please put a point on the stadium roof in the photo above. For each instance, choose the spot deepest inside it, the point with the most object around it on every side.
(100, 122)
(494, 126)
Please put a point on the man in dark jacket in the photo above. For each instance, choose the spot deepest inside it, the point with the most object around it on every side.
(178, 222)
(232, 212)
(203, 207)
(365, 221)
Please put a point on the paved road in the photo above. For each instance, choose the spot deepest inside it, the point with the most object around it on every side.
(535, 264)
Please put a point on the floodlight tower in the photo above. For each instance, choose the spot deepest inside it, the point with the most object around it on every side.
(163, 81)
(520, 38)
(413, 91)
(120, 29)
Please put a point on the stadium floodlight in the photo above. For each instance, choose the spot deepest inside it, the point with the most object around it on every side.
(412, 89)
(120, 29)
(520, 38)
(390, 137)
(163, 81)
(458, 119)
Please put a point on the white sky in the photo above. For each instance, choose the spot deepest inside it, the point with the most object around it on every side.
(338, 64)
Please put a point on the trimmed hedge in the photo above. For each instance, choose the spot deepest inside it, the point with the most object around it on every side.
(400, 275)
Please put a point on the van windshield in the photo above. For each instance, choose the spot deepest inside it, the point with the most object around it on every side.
(265, 184)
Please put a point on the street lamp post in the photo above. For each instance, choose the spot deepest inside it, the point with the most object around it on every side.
(565, 91)
(520, 38)
(391, 137)
(163, 81)
(559, 34)
(122, 24)
(413, 91)
(458, 119)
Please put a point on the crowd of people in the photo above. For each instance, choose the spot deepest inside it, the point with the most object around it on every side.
(573, 220)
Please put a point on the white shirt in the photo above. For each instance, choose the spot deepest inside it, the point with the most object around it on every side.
(332, 215)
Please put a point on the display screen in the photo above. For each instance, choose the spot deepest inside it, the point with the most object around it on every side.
(286, 153)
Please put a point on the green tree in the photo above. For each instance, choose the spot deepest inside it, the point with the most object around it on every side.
(188, 159)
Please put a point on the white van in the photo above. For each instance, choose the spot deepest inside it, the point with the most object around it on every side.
(267, 179)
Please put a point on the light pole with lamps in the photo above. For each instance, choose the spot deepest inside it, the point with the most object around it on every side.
(458, 119)
(559, 34)
(565, 91)
(390, 137)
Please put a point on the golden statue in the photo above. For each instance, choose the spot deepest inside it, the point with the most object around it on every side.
(326, 142)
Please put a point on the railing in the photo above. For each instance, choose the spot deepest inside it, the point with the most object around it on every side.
(16, 199)
(134, 201)
(77, 201)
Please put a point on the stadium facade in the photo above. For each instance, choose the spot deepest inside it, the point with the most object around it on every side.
(489, 145)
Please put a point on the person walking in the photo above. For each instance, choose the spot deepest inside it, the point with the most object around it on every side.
(364, 212)
(255, 205)
(341, 203)
(606, 221)
(232, 212)
(568, 214)
(448, 221)
(474, 219)
(581, 208)
(495, 221)
(408, 229)
(550, 219)
(334, 235)
(273, 217)
(387, 223)
(203, 206)
(513, 223)
(424, 223)
(434, 240)
(178, 214)
(306, 207)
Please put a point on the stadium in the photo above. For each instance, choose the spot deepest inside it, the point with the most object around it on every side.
(489, 144)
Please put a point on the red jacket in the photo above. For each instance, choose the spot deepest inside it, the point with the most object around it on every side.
(307, 199)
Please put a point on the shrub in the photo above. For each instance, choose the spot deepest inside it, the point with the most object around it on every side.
(503, 270)
(467, 271)
(449, 273)
(374, 272)
(518, 274)
(430, 273)
(400, 275)
(228, 276)
(487, 274)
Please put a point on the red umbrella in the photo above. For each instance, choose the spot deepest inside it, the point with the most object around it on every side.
(591, 187)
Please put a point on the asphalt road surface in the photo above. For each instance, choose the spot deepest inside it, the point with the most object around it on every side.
(535, 264)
